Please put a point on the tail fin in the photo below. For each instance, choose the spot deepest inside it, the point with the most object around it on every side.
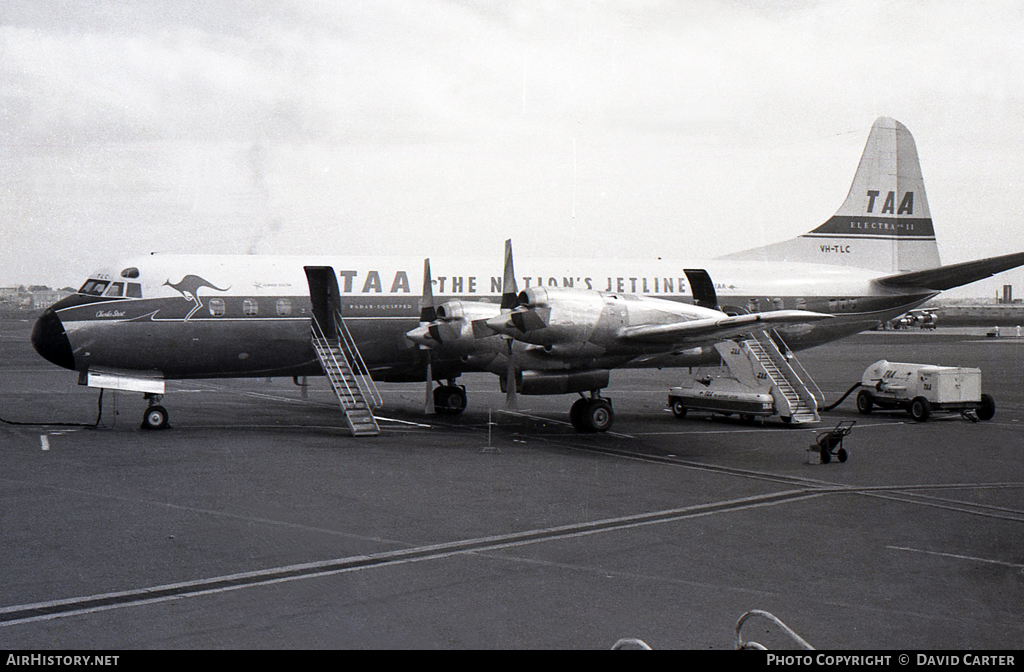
(883, 225)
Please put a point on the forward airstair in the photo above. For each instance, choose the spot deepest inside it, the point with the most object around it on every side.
(338, 354)
(346, 371)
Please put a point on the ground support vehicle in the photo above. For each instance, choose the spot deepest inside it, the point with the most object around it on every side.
(757, 378)
(922, 389)
(720, 394)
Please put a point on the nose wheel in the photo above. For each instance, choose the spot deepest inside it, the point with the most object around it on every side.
(155, 416)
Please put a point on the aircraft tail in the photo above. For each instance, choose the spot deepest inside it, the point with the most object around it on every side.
(883, 225)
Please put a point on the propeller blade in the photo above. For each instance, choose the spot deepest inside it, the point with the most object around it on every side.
(511, 398)
(509, 292)
(428, 401)
(428, 314)
(531, 319)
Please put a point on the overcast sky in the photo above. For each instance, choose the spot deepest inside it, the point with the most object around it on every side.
(429, 127)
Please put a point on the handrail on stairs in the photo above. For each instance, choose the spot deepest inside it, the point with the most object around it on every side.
(363, 373)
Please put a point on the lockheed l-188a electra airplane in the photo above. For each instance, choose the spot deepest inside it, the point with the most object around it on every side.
(167, 317)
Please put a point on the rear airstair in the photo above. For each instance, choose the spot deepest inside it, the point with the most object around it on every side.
(759, 366)
(339, 356)
(791, 382)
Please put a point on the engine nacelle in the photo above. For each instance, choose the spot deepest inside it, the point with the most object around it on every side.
(553, 315)
(467, 310)
(540, 382)
(457, 320)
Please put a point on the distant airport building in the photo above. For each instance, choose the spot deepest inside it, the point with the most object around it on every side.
(1007, 295)
(36, 297)
(44, 298)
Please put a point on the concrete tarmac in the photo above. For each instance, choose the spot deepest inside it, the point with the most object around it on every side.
(256, 522)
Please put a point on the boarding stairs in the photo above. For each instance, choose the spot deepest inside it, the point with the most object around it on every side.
(348, 376)
(791, 383)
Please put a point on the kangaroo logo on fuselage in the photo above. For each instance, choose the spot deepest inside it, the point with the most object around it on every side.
(189, 286)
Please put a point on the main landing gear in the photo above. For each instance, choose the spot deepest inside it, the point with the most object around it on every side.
(450, 399)
(155, 416)
(592, 415)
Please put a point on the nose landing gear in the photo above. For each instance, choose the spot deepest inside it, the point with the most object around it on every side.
(155, 416)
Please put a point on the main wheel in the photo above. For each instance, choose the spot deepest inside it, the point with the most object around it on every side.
(598, 415)
(865, 402)
(155, 418)
(842, 454)
(678, 409)
(449, 400)
(987, 408)
(920, 409)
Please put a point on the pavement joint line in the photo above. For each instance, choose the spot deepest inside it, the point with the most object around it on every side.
(25, 613)
(956, 556)
(77, 606)
(964, 507)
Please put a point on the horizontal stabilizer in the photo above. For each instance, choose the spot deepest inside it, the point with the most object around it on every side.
(953, 275)
(718, 328)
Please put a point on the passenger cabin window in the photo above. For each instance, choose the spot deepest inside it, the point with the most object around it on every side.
(134, 290)
(217, 307)
(94, 287)
(115, 289)
(284, 306)
(250, 307)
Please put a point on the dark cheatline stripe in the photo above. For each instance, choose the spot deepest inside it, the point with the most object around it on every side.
(869, 225)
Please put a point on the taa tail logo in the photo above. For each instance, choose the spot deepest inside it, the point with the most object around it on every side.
(906, 205)
(189, 286)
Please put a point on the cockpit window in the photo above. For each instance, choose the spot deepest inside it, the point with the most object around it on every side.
(115, 289)
(94, 287)
(130, 272)
(134, 290)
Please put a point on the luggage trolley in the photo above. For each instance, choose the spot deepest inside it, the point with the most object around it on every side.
(830, 443)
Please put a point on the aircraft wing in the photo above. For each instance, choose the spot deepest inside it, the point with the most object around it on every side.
(953, 275)
(717, 328)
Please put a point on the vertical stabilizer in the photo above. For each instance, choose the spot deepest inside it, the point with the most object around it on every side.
(884, 224)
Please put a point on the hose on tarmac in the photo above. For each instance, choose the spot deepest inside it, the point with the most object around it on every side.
(99, 416)
(829, 408)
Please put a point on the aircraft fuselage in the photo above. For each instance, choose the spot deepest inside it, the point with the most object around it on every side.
(207, 317)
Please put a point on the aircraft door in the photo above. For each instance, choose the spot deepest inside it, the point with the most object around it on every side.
(702, 287)
(325, 296)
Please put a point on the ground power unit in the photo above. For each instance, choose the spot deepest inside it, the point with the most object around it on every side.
(922, 389)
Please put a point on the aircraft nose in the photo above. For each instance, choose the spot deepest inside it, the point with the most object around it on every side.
(51, 341)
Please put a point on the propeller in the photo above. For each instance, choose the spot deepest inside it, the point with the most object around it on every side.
(509, 300)
(428, 314)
